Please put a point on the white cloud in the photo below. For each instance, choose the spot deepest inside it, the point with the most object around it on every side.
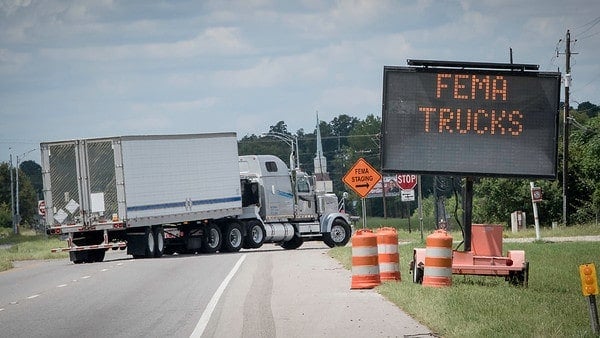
(98, 68)
(176, 107)
(12, 62)
(9, 7)
(350, 99)
(216, 41)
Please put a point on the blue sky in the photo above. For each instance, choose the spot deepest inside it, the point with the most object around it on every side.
(94, 68)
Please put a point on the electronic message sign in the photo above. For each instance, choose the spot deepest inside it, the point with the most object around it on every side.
(470, 122)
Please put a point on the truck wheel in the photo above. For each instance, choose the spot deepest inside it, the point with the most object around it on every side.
(150, 245)
(77, 257)
(159, 242)
(293, 243)
(256, 235)
(339, 235)
(212, 239)
(98, 255)
(234, 237)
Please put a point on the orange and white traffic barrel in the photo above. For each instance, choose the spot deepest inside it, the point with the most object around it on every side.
(438, 260)
(389, 259)
(365, 266)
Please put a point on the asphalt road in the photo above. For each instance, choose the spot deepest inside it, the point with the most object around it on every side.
(262, 293)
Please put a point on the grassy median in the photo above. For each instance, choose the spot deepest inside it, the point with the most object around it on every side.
(552, 305)
(26, 246)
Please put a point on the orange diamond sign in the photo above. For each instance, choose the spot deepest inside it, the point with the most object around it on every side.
(362, 177)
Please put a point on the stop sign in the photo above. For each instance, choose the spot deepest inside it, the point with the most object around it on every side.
(42, 208)
(406, 182)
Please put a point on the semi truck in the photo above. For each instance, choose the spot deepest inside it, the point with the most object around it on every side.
(161, 194)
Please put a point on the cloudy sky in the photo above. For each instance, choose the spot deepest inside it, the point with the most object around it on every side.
(90, 68)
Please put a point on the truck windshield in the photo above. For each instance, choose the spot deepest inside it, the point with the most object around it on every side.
(303, 185)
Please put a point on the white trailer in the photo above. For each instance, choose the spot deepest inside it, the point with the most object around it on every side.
(179, 193)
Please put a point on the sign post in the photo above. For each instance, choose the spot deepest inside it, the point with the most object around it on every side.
(589, 288)
(536, 196)
(362, 177)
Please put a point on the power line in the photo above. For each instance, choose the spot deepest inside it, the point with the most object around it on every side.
(591, 25)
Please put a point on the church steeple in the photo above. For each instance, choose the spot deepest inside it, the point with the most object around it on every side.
(320, 161)
(323, 182)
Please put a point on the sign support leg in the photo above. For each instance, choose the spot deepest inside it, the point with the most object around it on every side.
(593, 314)
(468, 212)
(364, 212)
(420, 202)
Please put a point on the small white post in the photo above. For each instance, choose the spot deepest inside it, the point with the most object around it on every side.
(535, 216)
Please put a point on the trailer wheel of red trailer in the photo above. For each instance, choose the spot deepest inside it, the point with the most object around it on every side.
(519, 278)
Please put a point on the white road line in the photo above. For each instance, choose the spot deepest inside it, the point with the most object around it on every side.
(1, 310)
(210, 308)
(33, 296)
(61, 286)
(104, 270)
(85, 277)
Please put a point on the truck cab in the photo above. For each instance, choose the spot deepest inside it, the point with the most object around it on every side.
(287, 199)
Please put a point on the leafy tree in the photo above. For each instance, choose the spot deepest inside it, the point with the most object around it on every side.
(496, 198)
(5, 215)
(588, 109)
(34, 172)
(27, 196)
(28, 200)
(364, 140)
(342, 126)
(584, 171)
(347, 138)
(279, 127)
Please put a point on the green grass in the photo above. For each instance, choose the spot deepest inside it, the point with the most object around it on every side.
(474, 306)
(26, 246)
(401, 225)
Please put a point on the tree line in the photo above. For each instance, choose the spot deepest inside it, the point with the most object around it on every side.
(345, 139)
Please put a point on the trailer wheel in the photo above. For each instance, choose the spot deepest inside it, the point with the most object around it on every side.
(519, 278)
(149, 236)
(76, 257)
(417, 271)
(256, 235)
(98, 255)
(234, 237)
(293, 243)
(87, 256)
(339, 235)
(212, 239)
(159, 242)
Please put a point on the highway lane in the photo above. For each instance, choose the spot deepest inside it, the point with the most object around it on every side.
(273, 293)
(119, 297)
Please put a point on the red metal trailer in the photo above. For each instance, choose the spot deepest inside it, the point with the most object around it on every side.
(484, 259)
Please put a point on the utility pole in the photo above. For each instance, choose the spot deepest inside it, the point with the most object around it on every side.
(12, 197)
(18, 213)
(565, 174)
